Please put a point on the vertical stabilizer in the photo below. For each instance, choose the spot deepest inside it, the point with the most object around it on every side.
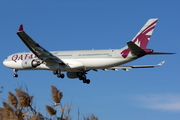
(143, 36)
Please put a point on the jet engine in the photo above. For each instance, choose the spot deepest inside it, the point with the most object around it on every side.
(73, 75)
(30, 63)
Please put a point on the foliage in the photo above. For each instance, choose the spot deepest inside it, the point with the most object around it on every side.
(20, 107)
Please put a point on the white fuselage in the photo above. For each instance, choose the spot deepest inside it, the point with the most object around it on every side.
(74, 60)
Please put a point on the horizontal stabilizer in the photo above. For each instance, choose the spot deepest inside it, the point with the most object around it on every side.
(134, 48)
(159, 53)
(143, 66)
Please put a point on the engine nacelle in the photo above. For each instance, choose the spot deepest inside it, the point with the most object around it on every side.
(73, 75)
(30, 63)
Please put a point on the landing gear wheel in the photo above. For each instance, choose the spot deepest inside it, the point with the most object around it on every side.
(86, 81)
(55, 72)
(60, 75)
(15, 75)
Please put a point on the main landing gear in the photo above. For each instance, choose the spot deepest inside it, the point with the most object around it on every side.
(58, 73)
(82, 77)
(15, 73)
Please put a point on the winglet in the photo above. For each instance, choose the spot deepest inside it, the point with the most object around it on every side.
(21, 28)
(160, 64)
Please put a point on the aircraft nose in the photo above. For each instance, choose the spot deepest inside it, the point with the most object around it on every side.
(5, 62)
(11, 64)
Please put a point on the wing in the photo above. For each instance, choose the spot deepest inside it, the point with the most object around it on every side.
(39, 51)
(130, 67)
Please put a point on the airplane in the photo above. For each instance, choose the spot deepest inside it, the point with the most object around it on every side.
(76, 64)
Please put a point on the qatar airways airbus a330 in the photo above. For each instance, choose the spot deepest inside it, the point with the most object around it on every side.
(77, 63)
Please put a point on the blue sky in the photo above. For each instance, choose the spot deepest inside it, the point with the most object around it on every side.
(150, 94)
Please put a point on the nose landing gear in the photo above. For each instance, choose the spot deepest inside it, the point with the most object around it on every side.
(15, 73)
